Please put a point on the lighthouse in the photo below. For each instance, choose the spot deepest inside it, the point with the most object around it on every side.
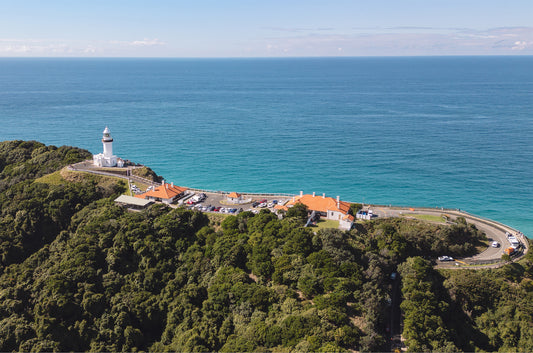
(107, 141)
(107, 159)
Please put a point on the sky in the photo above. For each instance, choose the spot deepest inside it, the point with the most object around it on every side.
(267, 28)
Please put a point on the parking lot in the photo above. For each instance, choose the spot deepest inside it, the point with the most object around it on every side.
(218, 203)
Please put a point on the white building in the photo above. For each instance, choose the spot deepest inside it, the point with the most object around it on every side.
(107, 159)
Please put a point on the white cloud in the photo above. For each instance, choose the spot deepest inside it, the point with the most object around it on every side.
(408, 41)
(146, 42)
(521, 45)
(60, 47)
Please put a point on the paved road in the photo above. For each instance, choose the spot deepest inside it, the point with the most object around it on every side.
(490, 257)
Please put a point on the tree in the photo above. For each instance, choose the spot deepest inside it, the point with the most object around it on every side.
(299, 212)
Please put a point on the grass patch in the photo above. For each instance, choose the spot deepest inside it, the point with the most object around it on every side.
(327, 223)
(426, 217)
(215, 219)
(482, 245)
(52, 179)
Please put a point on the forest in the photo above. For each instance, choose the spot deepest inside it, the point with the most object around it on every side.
(79, 273)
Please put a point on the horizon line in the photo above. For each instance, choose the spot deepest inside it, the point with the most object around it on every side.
(267, 57)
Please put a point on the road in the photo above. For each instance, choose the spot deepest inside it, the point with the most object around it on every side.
(489, 258)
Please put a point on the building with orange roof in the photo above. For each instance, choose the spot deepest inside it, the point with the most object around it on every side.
(166, 193)
(328, 207)
(235, 198)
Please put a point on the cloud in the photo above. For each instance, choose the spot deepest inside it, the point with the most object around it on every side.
(146, 42)
(298, 29)
(521, 45)
(407, 41)
(61, 47)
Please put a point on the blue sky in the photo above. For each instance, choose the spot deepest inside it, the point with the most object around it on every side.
(269, 28)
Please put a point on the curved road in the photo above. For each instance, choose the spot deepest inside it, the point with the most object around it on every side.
(490, 257)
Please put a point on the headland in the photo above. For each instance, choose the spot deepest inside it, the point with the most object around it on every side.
(323, 211)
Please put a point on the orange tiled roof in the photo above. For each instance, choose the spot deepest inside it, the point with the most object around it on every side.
(234, 195)
(321, 204)
(165, 191)
(348, 217)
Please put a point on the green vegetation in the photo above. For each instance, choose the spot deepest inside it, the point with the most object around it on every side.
(327, 223)
(147, 173)
(426, 217)
(466, 310)
(79, 273)
(354, 208)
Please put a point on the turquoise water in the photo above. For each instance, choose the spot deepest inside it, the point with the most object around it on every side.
(422, 131)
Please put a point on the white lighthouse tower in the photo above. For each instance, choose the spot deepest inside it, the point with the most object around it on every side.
(107, 141)
(107, 159)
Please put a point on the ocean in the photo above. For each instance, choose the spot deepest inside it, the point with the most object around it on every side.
(453, 132)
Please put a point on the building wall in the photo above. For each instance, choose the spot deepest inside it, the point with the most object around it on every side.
(334, 215)
(101, 161)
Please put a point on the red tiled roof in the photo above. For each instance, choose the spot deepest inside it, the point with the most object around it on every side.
(321, 204)
(348, 217)
(165, 191)
(234, 195)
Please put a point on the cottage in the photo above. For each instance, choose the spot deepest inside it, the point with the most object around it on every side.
(327, 207)
(166, 193)
(236, 198)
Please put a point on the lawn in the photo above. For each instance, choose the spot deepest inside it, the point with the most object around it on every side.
(51, 179)
(327, 223)
(426, 217)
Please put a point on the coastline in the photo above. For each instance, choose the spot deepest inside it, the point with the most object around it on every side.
(489, 258)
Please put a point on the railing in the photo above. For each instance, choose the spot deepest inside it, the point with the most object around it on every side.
(265, 194)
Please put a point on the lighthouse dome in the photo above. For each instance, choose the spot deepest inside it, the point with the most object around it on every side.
(107, 135)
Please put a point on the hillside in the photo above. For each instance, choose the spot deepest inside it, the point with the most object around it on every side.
(78, 273)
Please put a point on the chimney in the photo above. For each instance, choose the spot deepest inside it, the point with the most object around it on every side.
(324, 195)
(313, 194)
(301, 193)
(293, 199)
(172, 184)
(338, 202)
(162, 182)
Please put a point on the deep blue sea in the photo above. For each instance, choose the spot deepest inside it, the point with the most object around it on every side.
(450, 132)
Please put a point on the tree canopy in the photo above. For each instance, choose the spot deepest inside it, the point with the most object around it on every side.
(79, 273)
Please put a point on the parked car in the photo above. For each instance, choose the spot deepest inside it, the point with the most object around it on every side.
(445, 258)
(495, 244)
(255, 204)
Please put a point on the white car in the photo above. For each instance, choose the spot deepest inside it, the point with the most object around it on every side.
(445, 258)
(495, 244)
